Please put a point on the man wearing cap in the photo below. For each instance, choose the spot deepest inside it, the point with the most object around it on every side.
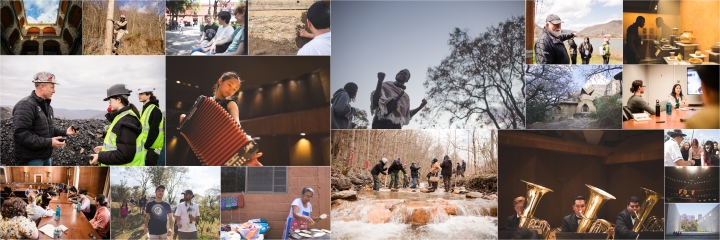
(414, 170)
(158, 216)
(153, 122)
(186, 216)
(122, 144)
(34, 131)
(549, 48)
(120, 30)
(673, 157)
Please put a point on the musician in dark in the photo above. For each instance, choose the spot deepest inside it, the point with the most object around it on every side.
(626, 219)
(518, 205)
(570, 222)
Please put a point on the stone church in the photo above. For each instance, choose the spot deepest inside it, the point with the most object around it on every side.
(62, 37)
(580, 104)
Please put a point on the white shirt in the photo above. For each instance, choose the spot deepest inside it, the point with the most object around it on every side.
(672, 153)
(35, 212)
(184, 211)
(85, 207)
(320, 45)
(223, 32)
(301, 210)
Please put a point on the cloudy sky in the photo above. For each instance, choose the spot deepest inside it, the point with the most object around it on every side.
(579, 14)
(701, 135)
(388, 36)
(82, 80)
(198, 178)
(696, 208)
(41, 10)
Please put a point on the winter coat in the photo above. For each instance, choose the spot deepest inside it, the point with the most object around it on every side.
(446, 167)
(550, 49)
(127, 130)
(34, 129)
(396, 167)
(414, 171)
(378, 169)
(582, 50)
(342, 112)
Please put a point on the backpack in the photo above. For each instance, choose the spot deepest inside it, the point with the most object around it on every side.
(603, 50)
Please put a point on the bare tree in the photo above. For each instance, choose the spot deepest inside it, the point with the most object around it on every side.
(142, 175)
(481, 83)
(547, 86)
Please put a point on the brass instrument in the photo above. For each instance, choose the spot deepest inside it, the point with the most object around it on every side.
(534, 193)
(643, 222)
(596, 200)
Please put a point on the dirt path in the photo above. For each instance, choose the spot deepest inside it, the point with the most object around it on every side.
(582, 123)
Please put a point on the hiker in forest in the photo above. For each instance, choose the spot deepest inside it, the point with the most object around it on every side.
(434, 170)
(414, 169)
(390, 104)
(393, 170)
(120, 30)
(446, 172)
(376, 170)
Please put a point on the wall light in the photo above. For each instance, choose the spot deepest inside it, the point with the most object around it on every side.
(302, 134)
(178, 82)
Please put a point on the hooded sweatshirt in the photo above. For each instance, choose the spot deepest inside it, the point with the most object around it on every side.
(342, 112)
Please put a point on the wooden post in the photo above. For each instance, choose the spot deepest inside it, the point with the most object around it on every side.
(109, 27)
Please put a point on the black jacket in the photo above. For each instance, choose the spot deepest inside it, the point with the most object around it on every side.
(446, 166)
(550, 49)
(414, 171)
(464, 166)
(34, 129)
(573, 46)
(623, 226)
(582, 50)
(512, 221)
(154, 119)
(396, 167)
(570, 223)
(127, 130)
(378, 169)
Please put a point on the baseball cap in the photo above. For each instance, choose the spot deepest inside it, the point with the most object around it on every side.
(554, 19)
(159, 187)
(188, 192)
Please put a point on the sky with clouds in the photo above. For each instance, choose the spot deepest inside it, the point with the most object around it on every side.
(41, 10)
(579, 14)
(82, 80)
(199, 178)
(696, 208)
(701, 135)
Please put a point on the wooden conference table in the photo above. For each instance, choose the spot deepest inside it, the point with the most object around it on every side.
(78, 225)
(671, 121)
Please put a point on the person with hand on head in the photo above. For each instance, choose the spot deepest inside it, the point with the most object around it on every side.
(342, 112)
(153, 125)
(318, 21)
(101, 220)
(158, 216)
(390, 104)
(549, 48)
(122, 145)
(636, 103)
(34, 132)
(673, 157)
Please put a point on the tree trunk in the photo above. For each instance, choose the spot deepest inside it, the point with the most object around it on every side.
(109, 27)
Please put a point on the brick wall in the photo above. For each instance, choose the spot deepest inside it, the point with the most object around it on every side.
(276, 207)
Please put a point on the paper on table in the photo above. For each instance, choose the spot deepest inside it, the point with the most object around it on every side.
(48, 229)
(63, 228)
(641, 116)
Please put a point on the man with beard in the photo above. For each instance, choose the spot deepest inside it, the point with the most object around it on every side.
(549, 48)
(186, 216)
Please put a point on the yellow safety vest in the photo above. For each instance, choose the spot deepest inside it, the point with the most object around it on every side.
(145, 120)
(109, 143)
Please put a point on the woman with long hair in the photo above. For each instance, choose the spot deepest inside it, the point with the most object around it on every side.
(685, 150)
(695, 152)
(586, 50)
(709, 157)
(676, 97)
(123, 214)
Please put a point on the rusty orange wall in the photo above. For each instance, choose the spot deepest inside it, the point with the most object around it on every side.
(703, 18)
(629, 18)
(276, 207)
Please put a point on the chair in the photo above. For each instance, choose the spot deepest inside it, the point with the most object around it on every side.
(627, 114)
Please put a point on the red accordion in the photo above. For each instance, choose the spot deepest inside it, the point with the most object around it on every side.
(215, 137)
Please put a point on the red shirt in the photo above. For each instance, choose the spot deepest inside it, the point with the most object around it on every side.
(101, 221)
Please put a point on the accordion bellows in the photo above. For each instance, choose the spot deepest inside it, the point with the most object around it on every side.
(215, 137)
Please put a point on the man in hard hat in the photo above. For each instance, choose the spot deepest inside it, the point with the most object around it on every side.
(377, 170)
(153, 122)
(120, 30)
(35, 134)
(122, 145)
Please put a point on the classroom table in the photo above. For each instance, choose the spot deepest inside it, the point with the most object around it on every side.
(78, 225)
(671, 121)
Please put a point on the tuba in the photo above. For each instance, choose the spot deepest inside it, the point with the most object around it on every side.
(645, 222)
(596, 200)
(534, 193)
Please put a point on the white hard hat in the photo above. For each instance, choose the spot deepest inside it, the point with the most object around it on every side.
(384, 160)
(146, 88)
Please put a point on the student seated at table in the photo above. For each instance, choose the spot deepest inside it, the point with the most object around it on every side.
(101, 220)
(86, 207)
(35, 212)
(708, 117)
(14, 224)
(636, 103)
(72, 194)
